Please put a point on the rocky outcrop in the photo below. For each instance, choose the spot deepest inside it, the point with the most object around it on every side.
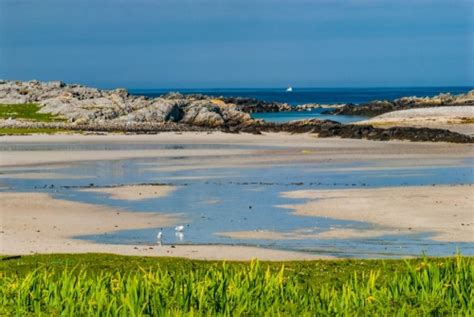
(251, 105)
(311, 106)
(203, 113)
(83, 105)
(90, 109)
(323, 128)
(247, 105)
(155, 111)
(376, 108)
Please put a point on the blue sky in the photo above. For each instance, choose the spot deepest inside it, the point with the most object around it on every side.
(261, 43)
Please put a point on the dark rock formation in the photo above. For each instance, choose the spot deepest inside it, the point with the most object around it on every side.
(327, 128)
(324, 129)
(251, 105)
(375, 108)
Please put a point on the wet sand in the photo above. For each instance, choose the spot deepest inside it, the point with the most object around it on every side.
(271, 148)
(63, 219)
(137, 192)
(41, 175)
(445, 211)
(37, 223)
(302, 234)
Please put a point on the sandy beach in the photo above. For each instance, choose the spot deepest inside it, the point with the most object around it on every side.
(35, 175)
(34, 222)
(137, 192)
(445, 211)
(457, 119)
(335, 233)
(274, 148)
(37, 223)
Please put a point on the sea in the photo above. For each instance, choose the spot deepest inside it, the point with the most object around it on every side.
(301, 96)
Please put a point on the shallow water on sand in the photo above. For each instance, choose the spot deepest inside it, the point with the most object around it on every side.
(280, 117)
(224, 199)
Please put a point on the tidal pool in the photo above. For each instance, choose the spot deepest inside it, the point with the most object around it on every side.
(318, 113)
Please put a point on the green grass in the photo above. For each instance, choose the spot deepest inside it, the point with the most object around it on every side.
(27, 111)
(108, 285)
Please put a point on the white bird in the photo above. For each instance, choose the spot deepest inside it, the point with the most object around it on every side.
(179, 236)
(159, 236)
(179, 228)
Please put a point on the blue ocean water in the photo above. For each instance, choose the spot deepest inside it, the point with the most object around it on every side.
(312, 95)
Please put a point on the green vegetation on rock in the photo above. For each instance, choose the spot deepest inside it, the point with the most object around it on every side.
(26, 111)
(103, 285)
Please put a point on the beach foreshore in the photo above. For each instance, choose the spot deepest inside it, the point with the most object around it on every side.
(265, 149)
(38, 223)
(133, 192)
(443, 212)
(33, 222)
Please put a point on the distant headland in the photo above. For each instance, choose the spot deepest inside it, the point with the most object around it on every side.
(70, 107)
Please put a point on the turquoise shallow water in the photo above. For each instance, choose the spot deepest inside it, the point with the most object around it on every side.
(302, 115)
(242, 199)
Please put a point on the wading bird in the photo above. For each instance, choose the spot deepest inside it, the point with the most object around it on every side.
(159, 237)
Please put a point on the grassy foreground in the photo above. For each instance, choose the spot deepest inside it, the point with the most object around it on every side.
(108, 285)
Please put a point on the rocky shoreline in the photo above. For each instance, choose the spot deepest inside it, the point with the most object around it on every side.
(323, 128)
(327, 128)
(375, 108)
(90, 109)
(369, 109)
(81, 105)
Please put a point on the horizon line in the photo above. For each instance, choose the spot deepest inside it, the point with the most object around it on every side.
(284, 87)
(184, 88)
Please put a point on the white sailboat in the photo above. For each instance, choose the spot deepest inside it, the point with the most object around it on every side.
(289, 89)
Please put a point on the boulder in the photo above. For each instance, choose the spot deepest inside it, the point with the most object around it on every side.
(159, 110)
(203, 113)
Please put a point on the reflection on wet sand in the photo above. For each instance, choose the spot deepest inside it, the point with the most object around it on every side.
(445, 210)
(230, 194)
(133, 192)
